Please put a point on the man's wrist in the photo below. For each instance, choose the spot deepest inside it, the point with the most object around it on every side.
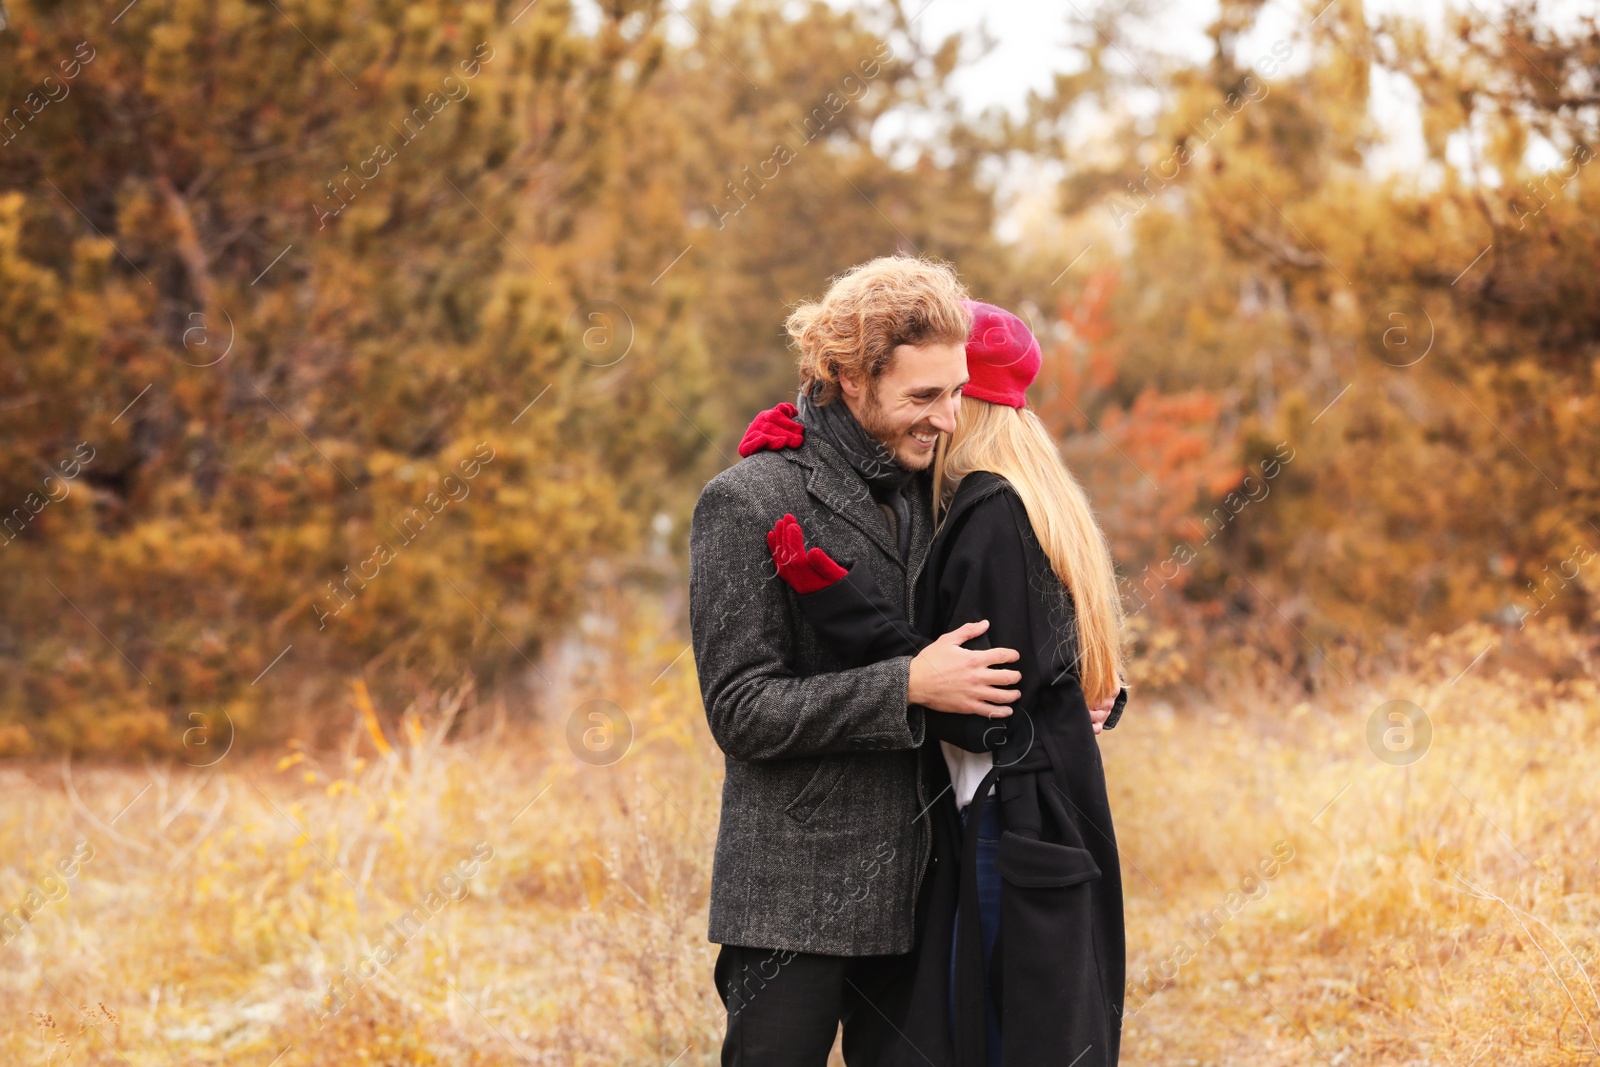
(915, 684)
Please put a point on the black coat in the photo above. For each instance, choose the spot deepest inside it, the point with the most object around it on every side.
(1058, 966)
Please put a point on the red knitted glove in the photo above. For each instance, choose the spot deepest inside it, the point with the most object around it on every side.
(806, 572)
(773, 430)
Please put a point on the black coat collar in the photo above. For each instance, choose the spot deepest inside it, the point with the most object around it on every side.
(975, 487)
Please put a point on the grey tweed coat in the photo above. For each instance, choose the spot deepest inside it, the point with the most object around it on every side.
(823, 838)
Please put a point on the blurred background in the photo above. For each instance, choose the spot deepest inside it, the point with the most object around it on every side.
(360, 365)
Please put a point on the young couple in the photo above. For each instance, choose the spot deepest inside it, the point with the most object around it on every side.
(901, 559)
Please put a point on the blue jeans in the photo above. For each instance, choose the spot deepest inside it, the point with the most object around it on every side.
(988, 919)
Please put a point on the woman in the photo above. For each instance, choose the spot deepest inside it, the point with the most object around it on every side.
(1021, 956)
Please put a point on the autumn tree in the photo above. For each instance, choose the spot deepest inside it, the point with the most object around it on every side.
(351, 339)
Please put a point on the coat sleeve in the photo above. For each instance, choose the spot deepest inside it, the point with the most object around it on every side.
(858, 622)
(744, 634)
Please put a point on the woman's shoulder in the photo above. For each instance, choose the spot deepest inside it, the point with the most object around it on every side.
(984, 498)
(980, 489)
(986, 514)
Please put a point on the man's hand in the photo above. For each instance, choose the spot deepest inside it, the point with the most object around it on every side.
(947, 677)
(1100, 712)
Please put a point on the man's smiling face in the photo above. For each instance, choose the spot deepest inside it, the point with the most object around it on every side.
(912, 402)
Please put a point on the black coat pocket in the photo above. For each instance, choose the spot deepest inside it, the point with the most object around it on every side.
(1053, 1004)
(1027, 861)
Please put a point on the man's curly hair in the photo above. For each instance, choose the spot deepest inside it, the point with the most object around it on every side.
(868, 311)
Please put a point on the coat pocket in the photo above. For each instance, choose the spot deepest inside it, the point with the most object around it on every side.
(817, 790)
(1034, 864)
(1053, 1002)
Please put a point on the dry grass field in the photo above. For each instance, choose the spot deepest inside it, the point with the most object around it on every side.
(494, 899)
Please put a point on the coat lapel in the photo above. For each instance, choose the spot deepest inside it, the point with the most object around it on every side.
(920, 493)
(837, 487)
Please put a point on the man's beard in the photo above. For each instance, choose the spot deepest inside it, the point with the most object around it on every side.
(872, 420)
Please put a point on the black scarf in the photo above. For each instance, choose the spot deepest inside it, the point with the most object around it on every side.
(886, 479)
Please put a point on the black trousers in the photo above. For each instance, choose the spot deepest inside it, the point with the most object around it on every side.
(784, 1007)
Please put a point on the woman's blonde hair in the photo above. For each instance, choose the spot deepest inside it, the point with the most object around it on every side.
(871, 309)
(1014, 444)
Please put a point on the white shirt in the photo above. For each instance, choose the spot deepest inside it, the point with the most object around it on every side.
(966, 771)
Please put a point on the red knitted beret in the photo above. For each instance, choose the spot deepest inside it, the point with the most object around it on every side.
(1002, 356)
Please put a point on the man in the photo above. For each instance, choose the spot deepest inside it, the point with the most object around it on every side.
(824, 835)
